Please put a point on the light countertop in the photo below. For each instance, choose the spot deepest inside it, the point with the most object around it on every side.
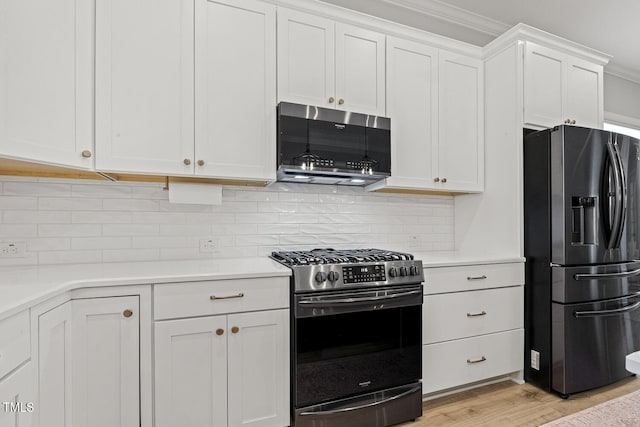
(24, 287)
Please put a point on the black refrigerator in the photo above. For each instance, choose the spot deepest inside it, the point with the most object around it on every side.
(581, 231)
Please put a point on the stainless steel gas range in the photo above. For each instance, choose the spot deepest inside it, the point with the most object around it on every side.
(356, 330)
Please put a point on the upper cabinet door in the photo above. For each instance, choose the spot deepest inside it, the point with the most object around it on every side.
(236, 89)
(544, 83)
(360, 70)
(144, 86)
(585, 103)
(106, 362)
(412, 105)
(46, 81)
(461, 123)
(306, 59)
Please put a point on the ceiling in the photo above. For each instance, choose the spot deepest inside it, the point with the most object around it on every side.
(608, 26)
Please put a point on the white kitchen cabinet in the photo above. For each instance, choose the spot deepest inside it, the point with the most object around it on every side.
(88, 363)
(223, 370)
(46, 81)
(194, 93)
(16, 398)
(145, 86)
(560, 88)
(54, 367)
(330, 64)
(235, 51)
(106, 362)
(460, 123)
(412, 106)
(483, 306)
(435, 102)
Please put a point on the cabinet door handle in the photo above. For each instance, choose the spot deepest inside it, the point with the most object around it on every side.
(472, 361)
(235, 330)
(219, 331)
(573, 122)
(340, 101)
(436, 179)
(476, 277)
(482, 313)
(567, 121)
(127, 313)
(444, 180)
(213, 297)
(332, 100)
(187, 161)
(86, 154)
(200, 162)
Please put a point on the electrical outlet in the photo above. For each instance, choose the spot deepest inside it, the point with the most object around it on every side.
(208, 245)
(13, 249)
(535, 360)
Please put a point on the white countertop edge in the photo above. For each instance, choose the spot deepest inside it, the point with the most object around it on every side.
(453, 259)
(24, 287)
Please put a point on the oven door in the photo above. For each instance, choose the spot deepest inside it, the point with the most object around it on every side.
(354, 342)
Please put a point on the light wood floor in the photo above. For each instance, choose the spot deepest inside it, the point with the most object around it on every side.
(510, 404)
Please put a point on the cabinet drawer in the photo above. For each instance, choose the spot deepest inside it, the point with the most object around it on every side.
(472, 277)
(454, 363)
(15, 342)
(464, 314)
(173, 300)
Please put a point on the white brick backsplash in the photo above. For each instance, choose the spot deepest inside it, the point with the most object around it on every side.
(69, 230)
(37, 217)
(129, 255)
(11, 202)
(69, 204)
(80, 221)
(100, 242)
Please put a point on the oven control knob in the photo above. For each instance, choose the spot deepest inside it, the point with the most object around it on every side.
(413, 270)
(333, 276)
(321, 276)
(403, 271)
(393, 272)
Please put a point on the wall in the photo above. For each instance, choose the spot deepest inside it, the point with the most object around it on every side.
(78, 221)
(621, 97)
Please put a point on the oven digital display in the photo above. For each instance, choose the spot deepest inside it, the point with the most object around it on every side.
(364, 273)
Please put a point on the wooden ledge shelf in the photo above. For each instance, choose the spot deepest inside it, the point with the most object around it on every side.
(10, 167)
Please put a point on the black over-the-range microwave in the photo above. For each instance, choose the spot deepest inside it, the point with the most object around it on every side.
(324, 146)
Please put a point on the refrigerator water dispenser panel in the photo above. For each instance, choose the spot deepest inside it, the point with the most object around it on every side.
(584, 224)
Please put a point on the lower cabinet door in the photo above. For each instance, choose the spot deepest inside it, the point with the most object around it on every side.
(454, 363)
(259, 369)
(16, 398)
(54, 367)
(191, 372)
(106, 362)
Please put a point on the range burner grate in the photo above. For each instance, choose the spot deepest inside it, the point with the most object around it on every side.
(333, 256)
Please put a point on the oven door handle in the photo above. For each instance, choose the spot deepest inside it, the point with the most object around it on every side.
(368, 405)
(620, 275)
(357, 300)
(597, 313)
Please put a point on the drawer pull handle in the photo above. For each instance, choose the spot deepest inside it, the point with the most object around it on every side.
(235, 330)
(127, 313)
(476, 277)
(213, 297)
(482, 313)
(471, 361)
(219, 331)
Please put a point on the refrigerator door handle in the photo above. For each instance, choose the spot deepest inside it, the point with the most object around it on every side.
(598, 313)
(620, 275)
(617, 207)
(622, 181)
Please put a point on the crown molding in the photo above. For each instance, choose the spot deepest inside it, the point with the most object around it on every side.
(452, 14)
